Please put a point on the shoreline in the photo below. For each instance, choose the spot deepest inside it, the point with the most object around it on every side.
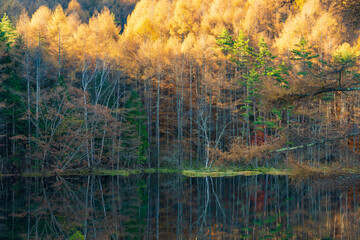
(317, 173)
(126, 172)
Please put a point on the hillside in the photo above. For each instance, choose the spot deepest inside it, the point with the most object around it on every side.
(183, 83)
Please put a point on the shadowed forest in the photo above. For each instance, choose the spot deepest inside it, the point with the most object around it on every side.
(178, 84)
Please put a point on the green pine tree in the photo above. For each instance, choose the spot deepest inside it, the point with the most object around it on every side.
(135, 135)
(304, 54)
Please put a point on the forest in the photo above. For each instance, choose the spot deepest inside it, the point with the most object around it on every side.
(178, 84)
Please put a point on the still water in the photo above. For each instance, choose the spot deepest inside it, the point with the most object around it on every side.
(172, 206)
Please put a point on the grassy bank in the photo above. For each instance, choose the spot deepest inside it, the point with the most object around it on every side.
(234, 172)
(203, 172)
(299, 172)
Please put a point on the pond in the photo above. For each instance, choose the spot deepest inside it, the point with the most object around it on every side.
(173, 206)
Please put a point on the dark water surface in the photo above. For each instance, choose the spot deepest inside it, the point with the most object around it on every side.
(164, 206)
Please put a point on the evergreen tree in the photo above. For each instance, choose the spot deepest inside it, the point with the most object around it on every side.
(304, 54)
(135, 135)
(7, 31)
(12, 88)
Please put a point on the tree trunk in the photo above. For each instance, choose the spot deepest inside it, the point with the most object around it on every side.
(158, 121)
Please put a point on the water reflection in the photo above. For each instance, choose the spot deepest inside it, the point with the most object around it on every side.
(160, 206)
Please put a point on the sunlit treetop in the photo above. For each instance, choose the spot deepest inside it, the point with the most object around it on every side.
(314, 22)
(7, 31)
(104, 33)
(73, 6)
(38, 25)
(345, 55)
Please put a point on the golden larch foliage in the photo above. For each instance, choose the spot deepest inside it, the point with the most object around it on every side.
(186, 19)
(313, 23)
(22, 26)
(73, 6)
(103, 35)
(60, 29)
(299, 4)
(38, 25)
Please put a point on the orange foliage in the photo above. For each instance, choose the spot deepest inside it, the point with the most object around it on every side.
(259, 139)
(239, 152)
(354, 143)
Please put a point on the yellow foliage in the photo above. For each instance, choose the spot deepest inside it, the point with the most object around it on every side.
(162, 15)
(182, 27)
(73, 6)
(57, 22)
(299, 4)
(344, 54)
(60, 29)
(357, 46)
(325, 33)
(38, 25)
(186, 19)
(145, 29)
(80, 45)
(189, 43)
(173, 44)
(313, 23)
(22, 26)
(103, 34)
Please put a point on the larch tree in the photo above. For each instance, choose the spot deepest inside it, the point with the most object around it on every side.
(38, 33)
(60, 28)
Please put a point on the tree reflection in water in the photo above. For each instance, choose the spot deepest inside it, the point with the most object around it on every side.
(161, 206)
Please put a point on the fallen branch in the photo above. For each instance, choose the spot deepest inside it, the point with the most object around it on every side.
(325, 90)
(317, 142)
